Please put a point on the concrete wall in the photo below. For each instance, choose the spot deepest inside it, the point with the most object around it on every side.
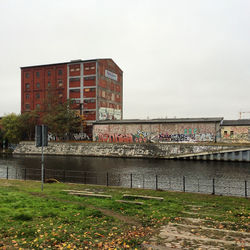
(157, 132)
(240, 134)
(136, 150)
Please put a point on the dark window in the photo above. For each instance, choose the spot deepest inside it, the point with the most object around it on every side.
(38, 85)
(89, 101)
(27, 75)
(75, 90)
(49, 73)
(231, 133)
(27, 106)
(49, 84)
(27, 96)
(60, 94)
(59, 72)
(225, 133)
(37, 95)
(89, 78)
(27, 85)
(37, 74)
(76, 79)
(38, 106)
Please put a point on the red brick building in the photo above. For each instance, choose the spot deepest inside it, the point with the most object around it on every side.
(95, 86)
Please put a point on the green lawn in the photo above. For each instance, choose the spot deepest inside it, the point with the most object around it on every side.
(54, 219)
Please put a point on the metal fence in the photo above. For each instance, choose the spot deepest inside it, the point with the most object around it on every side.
(218, 186)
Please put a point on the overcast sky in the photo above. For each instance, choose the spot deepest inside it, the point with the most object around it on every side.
(180, 58)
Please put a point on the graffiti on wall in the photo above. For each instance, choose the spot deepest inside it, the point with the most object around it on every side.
(237, 134)
(75, 137)
(109, 114)
(139, 137)
(142, 136)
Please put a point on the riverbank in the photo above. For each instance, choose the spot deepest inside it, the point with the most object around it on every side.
(132, 150)
(56, 219)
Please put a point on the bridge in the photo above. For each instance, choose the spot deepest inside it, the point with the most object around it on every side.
(240, 155)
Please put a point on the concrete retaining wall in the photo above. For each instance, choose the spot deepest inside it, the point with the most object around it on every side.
(143, 150)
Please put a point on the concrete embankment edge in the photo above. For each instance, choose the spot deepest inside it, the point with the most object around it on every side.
(144, 150)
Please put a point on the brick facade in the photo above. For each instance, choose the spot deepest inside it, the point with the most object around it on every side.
(95, 86)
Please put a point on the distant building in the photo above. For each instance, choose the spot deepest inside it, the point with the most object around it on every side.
(95, 86)
(237, 131)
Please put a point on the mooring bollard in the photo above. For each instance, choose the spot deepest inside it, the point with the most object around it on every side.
(184, 184)
(7, 173)
(25, 174)
(156, 182)
(131, 181)
(107, 179)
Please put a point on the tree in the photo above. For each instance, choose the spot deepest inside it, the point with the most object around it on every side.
(62, 120)
(27, 123)
(11, 128)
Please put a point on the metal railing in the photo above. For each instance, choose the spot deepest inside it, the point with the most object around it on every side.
(215, 186)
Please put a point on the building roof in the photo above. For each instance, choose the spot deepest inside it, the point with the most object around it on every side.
(72, 61)
(241, 122)
(172, 120)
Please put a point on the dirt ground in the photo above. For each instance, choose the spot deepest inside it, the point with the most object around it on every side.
(196, 233)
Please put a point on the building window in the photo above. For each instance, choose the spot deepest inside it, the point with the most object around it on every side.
(225, 133)
(37, 95)
(92, 67)
(76, 79)
(38, 106)
(27, 97)
(27, 75)
(89, 78)
(86, 68)
(49, 84)
(27, 106)
(75, 90)
(77, 69)
(49, 73)
(59, 72)
(38, 85)
(72, 70)
(231, 133)
(60, 94)
(37, 74)
(27, 85)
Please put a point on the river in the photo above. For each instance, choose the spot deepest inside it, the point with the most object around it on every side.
(227, 178)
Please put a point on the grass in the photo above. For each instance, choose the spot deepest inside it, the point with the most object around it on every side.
(54, 219)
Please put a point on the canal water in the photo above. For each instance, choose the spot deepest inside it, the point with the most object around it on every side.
(219, 177)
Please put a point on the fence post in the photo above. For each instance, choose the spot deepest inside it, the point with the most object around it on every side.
(246, 189)
(85, 178)
(198, 185)
(107, 179)
(131, 181)
(213, 192)
(156, 182)
(184, 184)
(7, 173)
(64, 176)
(44, 175)
(143, 181)
(25, 174)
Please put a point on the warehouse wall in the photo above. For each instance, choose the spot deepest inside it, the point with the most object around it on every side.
(157, 132)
